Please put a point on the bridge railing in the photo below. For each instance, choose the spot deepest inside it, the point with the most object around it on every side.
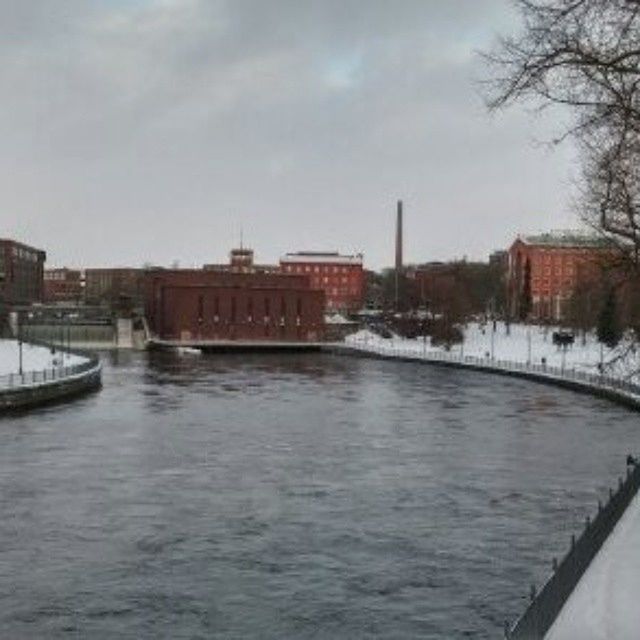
(570, 374)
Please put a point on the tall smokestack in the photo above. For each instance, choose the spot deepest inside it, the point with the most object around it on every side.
(399, 238)
(398, 269)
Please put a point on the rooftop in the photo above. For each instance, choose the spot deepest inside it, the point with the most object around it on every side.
(322, 257)
(566, 238)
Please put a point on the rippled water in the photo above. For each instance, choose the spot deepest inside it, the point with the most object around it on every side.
(294, 496)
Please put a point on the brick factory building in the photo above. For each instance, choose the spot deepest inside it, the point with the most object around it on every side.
(552, 266)
(63, 285)
(21, 273)
(118, 288)
(341, 277)
(209, 306)
(242, 261)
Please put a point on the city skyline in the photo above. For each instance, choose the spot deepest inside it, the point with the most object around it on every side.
(149, 132)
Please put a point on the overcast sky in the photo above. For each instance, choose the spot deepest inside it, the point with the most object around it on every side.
(138, 131)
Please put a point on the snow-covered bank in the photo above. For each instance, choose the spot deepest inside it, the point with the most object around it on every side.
(604, 604)
(522, 344)
(34, 358)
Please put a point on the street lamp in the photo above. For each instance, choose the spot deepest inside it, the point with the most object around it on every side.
(19, 344)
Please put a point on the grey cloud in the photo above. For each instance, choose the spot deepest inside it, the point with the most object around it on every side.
(151, 130)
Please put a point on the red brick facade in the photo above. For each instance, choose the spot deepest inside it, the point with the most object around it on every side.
(193, 305)
(340, 277)
(556, 266)
(63, 285)
(21, 273)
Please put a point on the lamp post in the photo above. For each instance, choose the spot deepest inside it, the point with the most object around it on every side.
(19, 345)
(493, 338)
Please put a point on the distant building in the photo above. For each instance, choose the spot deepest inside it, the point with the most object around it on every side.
(21, 274)
(242, 261)
(551, 267)
(341, 277)
(206, 305)
(63, 285)
(119, 288)
(500, 260)
(432, 284)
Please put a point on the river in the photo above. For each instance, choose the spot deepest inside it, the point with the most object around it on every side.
(294, 496)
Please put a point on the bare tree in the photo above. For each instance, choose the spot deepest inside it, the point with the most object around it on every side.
(584, 55)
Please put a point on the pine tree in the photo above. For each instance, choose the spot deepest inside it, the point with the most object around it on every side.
(609, 331)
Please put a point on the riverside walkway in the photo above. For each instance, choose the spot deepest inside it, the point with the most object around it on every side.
(605, 602)
(613, 387)
(31, 375)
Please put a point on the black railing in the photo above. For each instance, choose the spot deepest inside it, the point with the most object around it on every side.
(547, 604)
(569, 374)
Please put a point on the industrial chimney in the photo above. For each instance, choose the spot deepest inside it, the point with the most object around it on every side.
(398, 269)
(399, 238)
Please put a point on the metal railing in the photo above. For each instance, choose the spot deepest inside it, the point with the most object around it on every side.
(50, 374)
(547, 604)
(569, 374)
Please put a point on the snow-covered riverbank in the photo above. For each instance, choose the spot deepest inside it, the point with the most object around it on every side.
(34, 358)
(521, 344)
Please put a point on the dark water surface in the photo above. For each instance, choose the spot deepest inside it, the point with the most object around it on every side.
(294, 496)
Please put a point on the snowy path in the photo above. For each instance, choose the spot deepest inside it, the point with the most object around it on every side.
(604, 605)
(522, 344)
(34, 358)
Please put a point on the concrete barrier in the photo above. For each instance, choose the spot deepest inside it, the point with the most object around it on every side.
(35, 388)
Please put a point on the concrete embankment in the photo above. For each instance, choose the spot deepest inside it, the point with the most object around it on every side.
(43, 387)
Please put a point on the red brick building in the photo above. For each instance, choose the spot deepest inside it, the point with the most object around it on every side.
(341, 277)
(115, 287)
(552, 266)
(242, 261)
(63, 285)
(21, 273)
(194, 306)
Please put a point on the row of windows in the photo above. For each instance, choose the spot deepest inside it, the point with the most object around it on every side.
(545, 283)
(25, 254)
(558, 271)
(332, 280)
(342, 292)
(248, 308)
(322, 268)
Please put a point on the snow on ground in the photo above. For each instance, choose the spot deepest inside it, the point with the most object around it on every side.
(604, 605)
(523, 343)
(34, 358)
